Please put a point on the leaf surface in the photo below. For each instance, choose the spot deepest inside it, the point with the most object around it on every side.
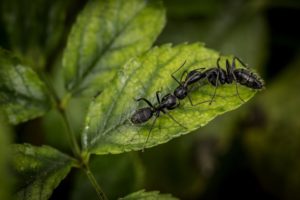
(105, 35)
(107, 126)
(38, 170)
(23, 95)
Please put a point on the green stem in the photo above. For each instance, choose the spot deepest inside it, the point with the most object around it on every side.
(100, 193)
(61, 105)
(74, 145)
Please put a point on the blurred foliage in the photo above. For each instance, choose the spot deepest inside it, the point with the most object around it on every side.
(104, 37)
(38, 170)
(274, 146)
(34, 30)
(127, 174)
(6, 178)
(142, 194)
(21, 88)
(249, 153)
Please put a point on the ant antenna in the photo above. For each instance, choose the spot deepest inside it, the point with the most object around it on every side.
(169, 115)
(177, 71)
(148, 136)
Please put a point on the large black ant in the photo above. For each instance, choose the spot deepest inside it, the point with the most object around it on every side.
(142, 115)
(217, 76)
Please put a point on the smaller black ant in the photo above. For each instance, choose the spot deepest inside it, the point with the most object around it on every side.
(217, 76)
(142, 115)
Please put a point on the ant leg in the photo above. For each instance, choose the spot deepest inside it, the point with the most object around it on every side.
(230, 68)
(172, 75)
(169, 115)
(182, 75)
(192, 104)
(215, 90)
(201, 102)
(148, 102)
(236, 89)
(157, 96)
(179, 68)
(218, 62)
(217, 81)
(148, 136)
(199, 69)
(240, 61)
(190, 100)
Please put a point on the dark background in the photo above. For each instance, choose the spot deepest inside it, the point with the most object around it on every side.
(250, 153)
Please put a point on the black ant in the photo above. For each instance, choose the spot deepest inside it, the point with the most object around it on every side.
(217, 76)
(142, 115)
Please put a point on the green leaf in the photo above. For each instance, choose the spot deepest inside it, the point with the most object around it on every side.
(23, 95)
(148, 195)
(105, 35)
(38, 170)
(108, 128)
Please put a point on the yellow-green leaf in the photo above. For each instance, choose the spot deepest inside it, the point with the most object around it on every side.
(107, 126)
(105, 35)
(23, 95)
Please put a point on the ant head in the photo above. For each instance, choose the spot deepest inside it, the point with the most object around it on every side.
(180, 92)
(257, 84)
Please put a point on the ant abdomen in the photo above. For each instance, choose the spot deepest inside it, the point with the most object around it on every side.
(141, 115)
(247, 78)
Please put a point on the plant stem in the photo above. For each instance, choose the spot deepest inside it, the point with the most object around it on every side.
(61, 105)
(74, 145)
(100, 193)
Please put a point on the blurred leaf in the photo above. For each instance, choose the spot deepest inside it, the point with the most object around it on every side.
(148, 195)
(23, 95)
(105, 36)
(56, 136)
(240, 30)
(182, 166)
(274, 145)
(178, 9)
(108, 128)
(247, 40)
(6, 179)
(118, 175)
(38, 170)
(44, 20)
